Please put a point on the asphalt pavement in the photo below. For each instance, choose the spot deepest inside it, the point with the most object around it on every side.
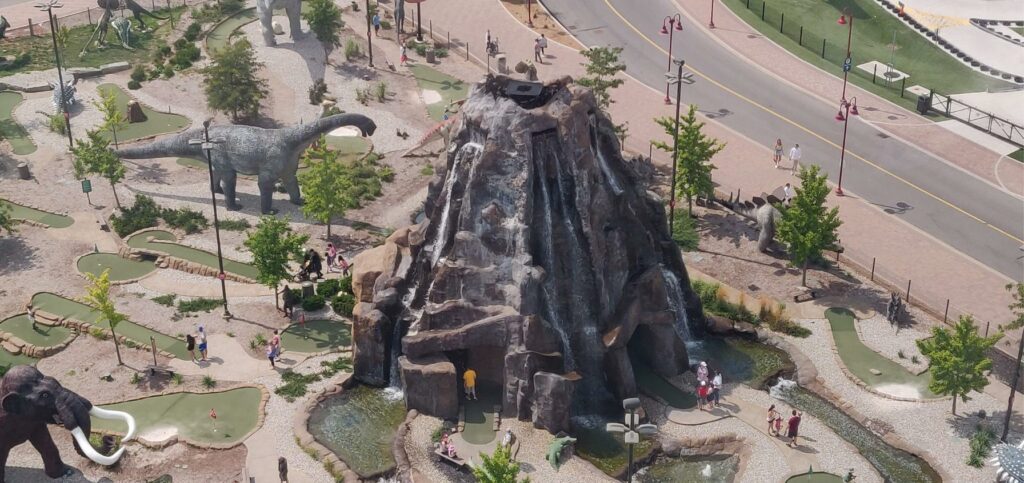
(944, 201)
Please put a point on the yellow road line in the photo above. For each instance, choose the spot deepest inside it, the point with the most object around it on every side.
(808, 131)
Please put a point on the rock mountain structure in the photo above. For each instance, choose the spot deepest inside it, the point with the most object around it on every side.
(270, 154)
(543, 263)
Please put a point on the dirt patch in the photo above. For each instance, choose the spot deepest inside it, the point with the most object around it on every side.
(542, 22)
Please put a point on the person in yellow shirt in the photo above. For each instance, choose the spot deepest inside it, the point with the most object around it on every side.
(469, 381)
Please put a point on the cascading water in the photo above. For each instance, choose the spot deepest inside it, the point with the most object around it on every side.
(678, 304)
(609, 175)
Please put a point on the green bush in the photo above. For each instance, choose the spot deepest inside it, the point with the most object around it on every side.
(317, 91)
(193, 31)
(351, 49)
(228, 7)
(209, 382)
(331, 368)
(4, 368)
(185, 56)
(294, 384)
(381, 91)
(684, 232)
(313, 302)
(165, 51)
(386, 174)
(181, 43)
(421, 49)
(427, 170)
(296, 293)
(168, 71)
(189, 220)
(144, 213)
(165, 300)
(441, 53)
(234, 225)
(134, 85)
(343, 304)
(384, 24)
(981, 444)
(198, 305)
(20, 60)
(345, 284)
(58, 124)
(138, 73)
(328, 288)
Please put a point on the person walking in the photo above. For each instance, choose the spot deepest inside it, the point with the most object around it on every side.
(469, 381)
(376, 24)
(275, 341)
(787, 194)
(543, 41)
(343, 264)
(702, 372)
(332, 254)
(716, 388)
(315, 264)
(203, 347)
(777, 152)
(794, 427)
(773, 416)
(190, 346)
(537, 52)
(288, 300)
(794, 159)
(282, 469)
(403, 58)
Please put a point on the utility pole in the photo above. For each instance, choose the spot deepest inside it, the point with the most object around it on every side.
(207, 145)
(48, 6)
(369, 37)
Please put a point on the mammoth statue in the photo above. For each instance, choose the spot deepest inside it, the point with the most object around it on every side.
(265, 12)
(29, 401)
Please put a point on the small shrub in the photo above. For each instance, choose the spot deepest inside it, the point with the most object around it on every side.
(294, 384)
(167, 71)
(313, 303)
(328, 288)
(351, 49)
(980, 445)
(332, 110)
(386, 174)
(177, 378)
(435, 435)
(138, 73)
(384, 24)
(165, 51)
(136, 378)
(421, 49)
(317, 91)
(57, 124)
(198, 305)
(331, 368)
(381, 90)
(914, 359)
(134, 85)
(228, 7)
(788, 327)
(901, 354)
(234, 225)
(343, 304)
(209, 382)
(187, 219)
(345, 284)
(231, 334)
(440, 53)
(143, 213)
(193, 31)
(427, 170)
(259, 340)
(181, 43)
(99, 333)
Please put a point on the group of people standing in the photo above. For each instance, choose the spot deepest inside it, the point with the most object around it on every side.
(792, 426)
(709, 391)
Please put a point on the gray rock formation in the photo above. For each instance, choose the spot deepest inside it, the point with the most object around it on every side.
(271, 154)
(543, 264)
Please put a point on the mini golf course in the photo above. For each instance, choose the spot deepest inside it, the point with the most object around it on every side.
(120, 268)
(8, 359)
(359, 425)
(41, 336)
(11, 130)
(189, 413)
(220, 36)
(156, 122)
(449, 88)
(316, 336)
(479, 428)
(860, 360)
(165, 242)
(51, 220)
(815, 477)
(55, 304)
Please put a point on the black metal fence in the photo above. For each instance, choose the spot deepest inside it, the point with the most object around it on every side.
(88, 16)
(977, 118)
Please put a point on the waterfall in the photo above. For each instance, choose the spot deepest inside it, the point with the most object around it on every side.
(395, 377)
(441, 236)
(596, 150)
(677, 303)
(781, 388)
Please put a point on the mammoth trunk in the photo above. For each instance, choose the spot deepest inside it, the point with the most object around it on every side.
(543, 264)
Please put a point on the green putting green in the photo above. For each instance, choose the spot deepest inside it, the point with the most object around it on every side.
(41, 336)
(237, 414)
(349, 148)
(11, 130)
(815, 477)
(51, 220)
(156, 122)
(55, 304)
(220, 36)
(479, 413)
(449, 88)
(120, 268)
(165, 242)
(316, 336)
(651, 382)
(8, 359)
(893, 379)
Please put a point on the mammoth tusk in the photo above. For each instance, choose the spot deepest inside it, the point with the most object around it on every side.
(91, 453)
(101, 413)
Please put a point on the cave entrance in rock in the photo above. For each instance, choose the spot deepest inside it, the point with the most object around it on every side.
(480, 413)
(648, 381)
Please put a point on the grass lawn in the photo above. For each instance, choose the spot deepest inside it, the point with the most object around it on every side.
(156, 122)
(10, 130)
(41, 47)
(926, 63)
(1019, 30)
(450, 88)
(1018, 155)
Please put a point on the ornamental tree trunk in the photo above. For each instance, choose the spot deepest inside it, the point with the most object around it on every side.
(117, 347)
(954, 404)
(803, 281)
(277, 298)
(114, 189)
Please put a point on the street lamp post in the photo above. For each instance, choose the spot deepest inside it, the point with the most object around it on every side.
(846, 109)
(631, 431)
(529, 15)
(676, 79)
(369, 36)
(419, 22)
(848, 63)
(207, 145)
(711, 22)
(669, 25)
(48, 6)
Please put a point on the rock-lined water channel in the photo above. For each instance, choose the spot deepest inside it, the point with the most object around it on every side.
(358, 425)
(691, 469)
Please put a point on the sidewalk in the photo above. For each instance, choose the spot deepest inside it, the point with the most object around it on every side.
(746, 41)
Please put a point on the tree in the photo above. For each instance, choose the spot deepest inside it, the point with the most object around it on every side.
(807, 226)
(602, 66)
(695, 150)
(324, 19)
(327, 185)
(1017, 308)
(272, 245)
(957, 359)
(94, 156)
(231, 83)
(6, 221)
(498, 468)
(113, 118)
(99, 299)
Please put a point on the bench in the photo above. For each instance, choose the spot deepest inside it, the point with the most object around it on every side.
(102, 222)
(803, 297)
(458, 462)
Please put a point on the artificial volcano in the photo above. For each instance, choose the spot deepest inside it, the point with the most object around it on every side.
(543, 263)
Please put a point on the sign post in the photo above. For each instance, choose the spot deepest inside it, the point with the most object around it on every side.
(86, 188)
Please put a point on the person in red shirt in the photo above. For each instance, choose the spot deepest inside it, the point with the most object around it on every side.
(794, 426)
(702, 395)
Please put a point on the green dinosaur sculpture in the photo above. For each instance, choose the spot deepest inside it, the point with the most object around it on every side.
(555, 450)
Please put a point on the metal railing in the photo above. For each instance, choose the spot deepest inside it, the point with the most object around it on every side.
(977, 118)
(88, 16)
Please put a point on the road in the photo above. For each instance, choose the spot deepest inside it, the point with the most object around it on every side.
(966, 213)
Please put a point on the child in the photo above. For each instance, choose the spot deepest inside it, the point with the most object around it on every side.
(332, 254)
(344, 265)
(702, 395)
(403, 58)
(773, 415)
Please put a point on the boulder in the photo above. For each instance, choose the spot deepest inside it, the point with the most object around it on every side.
(371, 335)
(135, 113)
(552, 396)
(431, 385)
(366, 267)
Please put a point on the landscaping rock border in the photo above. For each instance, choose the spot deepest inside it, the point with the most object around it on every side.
(308, 443)
(164, 260)
(727, 443)
(13, 344)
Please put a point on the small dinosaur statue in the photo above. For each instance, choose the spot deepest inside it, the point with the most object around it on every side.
(555, 449)
(271, 154)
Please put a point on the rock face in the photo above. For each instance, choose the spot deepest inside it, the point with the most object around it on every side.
(543, 263)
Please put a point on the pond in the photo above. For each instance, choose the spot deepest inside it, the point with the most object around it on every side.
(742, 360)
(691, 469)
(359, 425)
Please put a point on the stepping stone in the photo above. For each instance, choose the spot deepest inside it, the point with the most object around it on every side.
(9, 347)
(875, 372)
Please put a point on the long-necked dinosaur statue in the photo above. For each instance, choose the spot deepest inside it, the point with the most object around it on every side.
(271, 154)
